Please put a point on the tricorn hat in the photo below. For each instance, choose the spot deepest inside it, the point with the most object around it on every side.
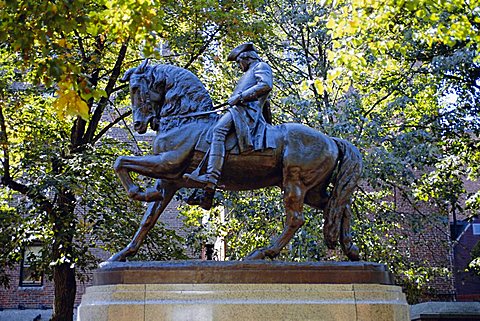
(247, 46)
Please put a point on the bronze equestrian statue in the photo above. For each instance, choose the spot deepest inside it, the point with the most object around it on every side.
(242, 152)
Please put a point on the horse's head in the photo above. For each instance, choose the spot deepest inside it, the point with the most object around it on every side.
(144, 98)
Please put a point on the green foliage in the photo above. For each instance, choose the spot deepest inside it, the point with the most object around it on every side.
(417, 83)
(202, 227)
(9, 238)
(474, 265)
(251, 220)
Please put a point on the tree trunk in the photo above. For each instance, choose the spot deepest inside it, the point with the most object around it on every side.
(65, 291)
(65, 284)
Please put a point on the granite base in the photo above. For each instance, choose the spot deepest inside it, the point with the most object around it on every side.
(283, 298)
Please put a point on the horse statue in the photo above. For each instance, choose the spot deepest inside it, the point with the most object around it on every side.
(174, 102)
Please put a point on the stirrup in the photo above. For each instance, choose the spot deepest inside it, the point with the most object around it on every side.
(202, 179)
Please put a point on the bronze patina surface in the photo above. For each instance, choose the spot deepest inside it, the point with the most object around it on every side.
(239, 149)
(241, 272)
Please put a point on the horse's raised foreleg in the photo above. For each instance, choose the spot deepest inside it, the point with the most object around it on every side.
(164, 165)
(154, 210)
(293, 196)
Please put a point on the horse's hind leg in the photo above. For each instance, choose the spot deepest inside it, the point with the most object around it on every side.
(348, 247)
(293, 196)
(154, 210)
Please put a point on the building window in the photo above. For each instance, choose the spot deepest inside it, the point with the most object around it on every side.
(476, 229)
(28, 277)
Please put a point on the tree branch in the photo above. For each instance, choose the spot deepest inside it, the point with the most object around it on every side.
(203, 48)
(80, 45)
(113, 123)
(7, 180)
(92, 126)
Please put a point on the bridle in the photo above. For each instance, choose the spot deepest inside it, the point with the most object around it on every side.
(147, 102)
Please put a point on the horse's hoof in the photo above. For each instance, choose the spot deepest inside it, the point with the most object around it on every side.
(117, 258)
(255, 255)
(353, 254)
(133, 192)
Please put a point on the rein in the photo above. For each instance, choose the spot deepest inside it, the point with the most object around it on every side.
(217, 109)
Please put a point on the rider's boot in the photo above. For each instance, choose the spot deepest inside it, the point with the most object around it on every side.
(214, 167)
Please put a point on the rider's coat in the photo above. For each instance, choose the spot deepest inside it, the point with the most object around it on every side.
(250, 126)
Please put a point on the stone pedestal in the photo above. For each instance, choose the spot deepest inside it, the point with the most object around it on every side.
(243, 291)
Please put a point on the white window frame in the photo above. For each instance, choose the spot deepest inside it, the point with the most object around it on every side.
(25, 280)
(476, 228)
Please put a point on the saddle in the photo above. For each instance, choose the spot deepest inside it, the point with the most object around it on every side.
(204, 198)
(231, 142)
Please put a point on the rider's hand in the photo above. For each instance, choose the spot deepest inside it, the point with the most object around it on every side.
(234, 99)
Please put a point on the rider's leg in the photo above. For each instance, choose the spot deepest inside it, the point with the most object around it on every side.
(217, 149)
(217, 154)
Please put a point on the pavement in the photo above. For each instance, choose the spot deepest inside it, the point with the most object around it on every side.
(27, 315)
(445, 310)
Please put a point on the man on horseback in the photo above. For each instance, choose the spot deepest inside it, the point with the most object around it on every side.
(310, 167)
(245, 116)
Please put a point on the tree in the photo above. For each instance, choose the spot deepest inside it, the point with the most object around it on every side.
(67, 57)
(426, 74)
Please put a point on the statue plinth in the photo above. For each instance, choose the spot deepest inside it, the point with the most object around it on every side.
(252, 290)
(241, 272)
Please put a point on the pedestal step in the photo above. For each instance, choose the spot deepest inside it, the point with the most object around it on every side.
(214, 291)
(207, 302)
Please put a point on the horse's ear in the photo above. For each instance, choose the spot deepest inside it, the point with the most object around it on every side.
(128, 73)
(141, 68)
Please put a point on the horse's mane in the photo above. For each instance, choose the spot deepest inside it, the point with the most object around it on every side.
(184, 92)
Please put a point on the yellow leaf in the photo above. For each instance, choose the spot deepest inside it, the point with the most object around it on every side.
(333, 74)
(83, 109)
(69, 102)
(358, 3)
(331, 55)
(434, 17)
(331, 23)
(348, 28)
(318, 83)
(354, 23)
(304, 86)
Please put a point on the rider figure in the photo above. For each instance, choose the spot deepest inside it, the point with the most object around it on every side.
(244, 116)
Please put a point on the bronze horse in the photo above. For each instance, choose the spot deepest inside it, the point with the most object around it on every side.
(174, 102)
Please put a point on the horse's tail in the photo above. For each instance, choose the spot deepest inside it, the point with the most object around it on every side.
(348, 171)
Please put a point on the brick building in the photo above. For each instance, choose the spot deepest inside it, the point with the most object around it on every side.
(467, 283)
